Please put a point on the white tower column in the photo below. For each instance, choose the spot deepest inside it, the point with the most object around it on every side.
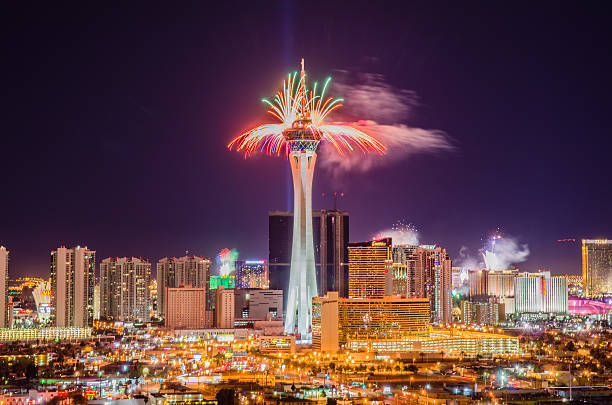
(302, 280)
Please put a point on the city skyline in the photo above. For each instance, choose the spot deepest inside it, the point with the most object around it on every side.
(472, 86)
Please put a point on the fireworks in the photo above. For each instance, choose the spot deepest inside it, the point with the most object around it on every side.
(295, 101)
(225, 261)
(501, 251)
(402, 233)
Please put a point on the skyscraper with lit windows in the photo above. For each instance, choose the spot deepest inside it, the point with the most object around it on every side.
(4, 276)
(370, 267)
(187, 271)
(72, 283)
(251, 274)
(597, 266)
(124, 289)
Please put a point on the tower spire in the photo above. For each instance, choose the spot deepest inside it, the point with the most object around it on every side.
(303, 89)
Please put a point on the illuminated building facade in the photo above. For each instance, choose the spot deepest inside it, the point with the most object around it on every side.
(367, 318)
(597, 266)
(222, 281)
(276, 344)
(225, 307)
(258, 303)
(185, 308)
(370, 269)
(482, 313)
(193, 271)
(72, 283)
(325, 336)
(500, 283)
(477, 282)
(453, 343)
(424, 271)
(124, 289)
(52, 333)
(540, 293)
(4, 276)
(435, 264)
(251, 274)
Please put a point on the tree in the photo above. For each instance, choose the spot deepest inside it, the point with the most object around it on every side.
(226, 396)
(412, 368)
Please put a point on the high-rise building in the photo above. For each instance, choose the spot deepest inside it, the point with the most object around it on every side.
(477, 282)
(185, 308)
(370, 269)
(4, 276)
(438, 281)
(188, 271)
(368, 318)
(408, 280)
(500, 283)
(325, 332)
(424, 271)
(540, 293)
(224, 308)
(330, 229)
(482, 313)
(258, 303)
(251, 274)
(72, 282)
(97, 302)
(597, 266)
(333, 251)
(124, 289)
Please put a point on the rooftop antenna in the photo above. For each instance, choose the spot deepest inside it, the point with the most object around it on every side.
(335, 195)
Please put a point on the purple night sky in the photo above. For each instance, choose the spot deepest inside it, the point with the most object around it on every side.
(116, 121)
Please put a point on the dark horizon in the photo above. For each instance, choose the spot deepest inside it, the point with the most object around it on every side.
(117, 120)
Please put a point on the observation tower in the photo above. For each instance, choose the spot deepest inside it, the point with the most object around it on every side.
(302, 139)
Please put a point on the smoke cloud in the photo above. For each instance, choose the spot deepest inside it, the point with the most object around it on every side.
(505, 252)
(401, 234)
(379, 109)
(466, 261)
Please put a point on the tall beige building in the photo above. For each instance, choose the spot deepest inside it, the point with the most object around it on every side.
(4, 275)
(597, 266)
(325, 323)
(225, 307)
(370, 269)
(185, 308)
(124, 289)
(72, 282)
(500, 283)
(188, 271)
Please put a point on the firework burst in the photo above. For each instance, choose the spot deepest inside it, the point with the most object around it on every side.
(293, 101)
(401, 232)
